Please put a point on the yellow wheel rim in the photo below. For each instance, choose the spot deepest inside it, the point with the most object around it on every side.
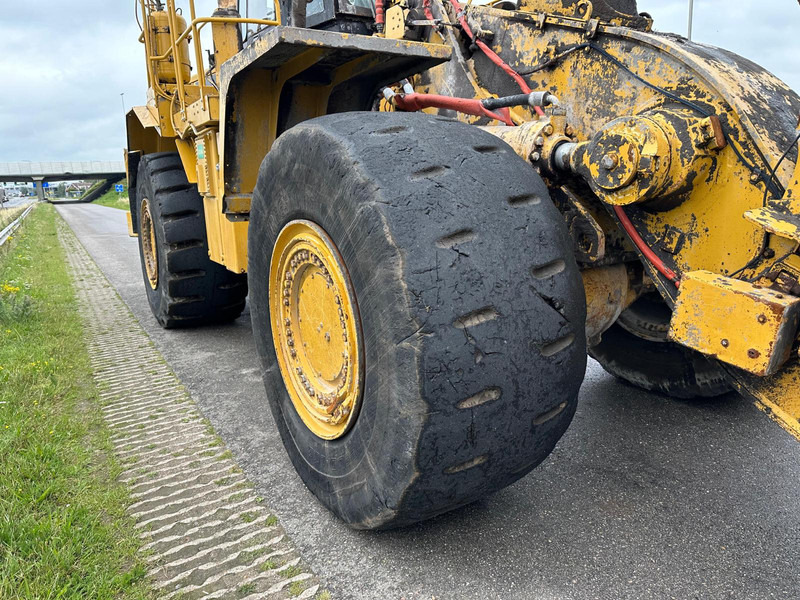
(316, 329)
(148, 237)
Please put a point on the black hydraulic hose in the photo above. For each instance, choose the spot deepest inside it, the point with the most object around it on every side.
(534, 99)
(506, 101)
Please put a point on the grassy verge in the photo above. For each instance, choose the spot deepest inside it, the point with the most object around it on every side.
(115, 199)
(63, 528)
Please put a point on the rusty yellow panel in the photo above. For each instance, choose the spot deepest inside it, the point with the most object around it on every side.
(739, 323)
(779, 223)
(778, 396)
(188, 159)
(227, 41)
(395, 22)
(203, 112)
(227, 240)
(129, 219)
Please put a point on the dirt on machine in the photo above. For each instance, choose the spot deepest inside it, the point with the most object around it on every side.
(436, 210)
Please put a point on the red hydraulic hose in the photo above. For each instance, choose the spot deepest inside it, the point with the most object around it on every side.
(491, 54)
(469, 106)
(379, 15)
(426, 4)
(651, 256)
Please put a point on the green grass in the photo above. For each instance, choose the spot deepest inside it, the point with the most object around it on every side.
(245, 589)
(268, 565)
(64, 532)
(296, 588)
(292, 571)
(115, 199)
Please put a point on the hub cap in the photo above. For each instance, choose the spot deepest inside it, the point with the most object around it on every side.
(316, 329)
(148, 236)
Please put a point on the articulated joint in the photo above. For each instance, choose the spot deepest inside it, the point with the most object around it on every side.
(539, 141)
(651, 159)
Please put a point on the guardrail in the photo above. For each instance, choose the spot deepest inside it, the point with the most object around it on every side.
(6, 233)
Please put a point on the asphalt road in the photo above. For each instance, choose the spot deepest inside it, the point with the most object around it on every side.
(17, 201)
(644, 497)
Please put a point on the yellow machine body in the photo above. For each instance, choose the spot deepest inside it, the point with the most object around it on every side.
(740, 323)
(675, 134)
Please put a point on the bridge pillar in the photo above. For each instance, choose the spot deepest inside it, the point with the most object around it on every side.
(39, 189)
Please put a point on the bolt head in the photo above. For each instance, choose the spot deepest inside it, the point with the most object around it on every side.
(609, 162)
(535, 156)
(548, 130)
(725, 343)
(754, 178)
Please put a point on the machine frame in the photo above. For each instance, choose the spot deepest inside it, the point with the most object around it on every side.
(674, 163)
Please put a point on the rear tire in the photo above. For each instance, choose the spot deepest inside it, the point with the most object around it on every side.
(635, 349)
(470, 301)
(184, 287)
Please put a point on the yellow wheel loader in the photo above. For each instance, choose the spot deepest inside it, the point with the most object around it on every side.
(438, 209)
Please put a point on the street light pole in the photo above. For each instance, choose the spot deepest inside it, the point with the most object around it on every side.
(691, 17)
(122, 95)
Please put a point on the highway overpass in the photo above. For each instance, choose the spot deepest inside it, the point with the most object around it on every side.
(39, 172)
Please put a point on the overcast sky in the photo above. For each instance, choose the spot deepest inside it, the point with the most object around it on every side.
(64, 64)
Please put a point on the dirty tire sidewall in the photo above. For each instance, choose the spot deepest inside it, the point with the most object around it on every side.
(192, 290)
(155, 297)
(387, 189)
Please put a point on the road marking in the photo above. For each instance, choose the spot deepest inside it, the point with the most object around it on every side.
(206, 532)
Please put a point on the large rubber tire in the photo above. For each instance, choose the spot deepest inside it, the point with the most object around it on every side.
(471, 305)
(191, 290)
(635, 349)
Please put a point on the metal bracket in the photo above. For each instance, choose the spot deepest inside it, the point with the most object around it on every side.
(592, 26)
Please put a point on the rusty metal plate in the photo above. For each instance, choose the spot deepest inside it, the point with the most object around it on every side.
(739, 323)
(777, 222)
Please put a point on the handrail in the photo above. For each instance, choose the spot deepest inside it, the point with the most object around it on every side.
(192, 29)
(206, 20)
(198, 52)
(172, 16)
